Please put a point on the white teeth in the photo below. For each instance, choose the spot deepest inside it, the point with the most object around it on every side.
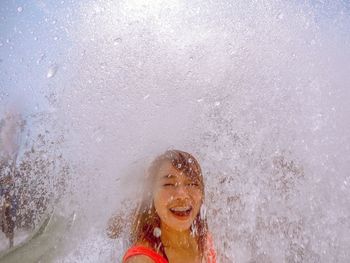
(180, 209)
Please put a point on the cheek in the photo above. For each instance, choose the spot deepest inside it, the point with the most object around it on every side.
(198, 199)
(161, 199)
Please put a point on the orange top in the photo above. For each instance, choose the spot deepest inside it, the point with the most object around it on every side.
(145, 251)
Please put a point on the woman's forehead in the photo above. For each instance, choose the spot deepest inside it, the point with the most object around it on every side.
(167, 170)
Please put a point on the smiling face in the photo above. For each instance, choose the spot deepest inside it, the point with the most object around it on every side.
(172, 197)
(177, 196)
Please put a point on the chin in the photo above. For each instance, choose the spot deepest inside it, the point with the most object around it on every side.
(181, 229)
(180, 226)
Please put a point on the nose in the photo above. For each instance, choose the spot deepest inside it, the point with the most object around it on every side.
(181, 191)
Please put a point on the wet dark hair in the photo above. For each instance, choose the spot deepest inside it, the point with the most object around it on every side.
(146, 219)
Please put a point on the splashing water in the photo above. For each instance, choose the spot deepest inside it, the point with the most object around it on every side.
(256, 90)
(52, 71)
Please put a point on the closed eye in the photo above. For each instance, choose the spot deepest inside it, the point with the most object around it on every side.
(168, 184)
(193, 184)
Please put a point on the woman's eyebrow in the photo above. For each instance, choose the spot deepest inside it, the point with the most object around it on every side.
(190, 179)
(168, 176)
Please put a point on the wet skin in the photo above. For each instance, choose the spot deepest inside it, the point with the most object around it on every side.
(177, 199)
(175, 192)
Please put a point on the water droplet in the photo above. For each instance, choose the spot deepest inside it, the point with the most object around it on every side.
(217, 103)
(190, 160)
(55, 38)
(203, 212)
(157, 232)
(280, 16)
(117, 41)
(74, 217)
(194, 229)
(20, 9)
(200, 100)
(40, 59)
(52, 71)
(146, 97)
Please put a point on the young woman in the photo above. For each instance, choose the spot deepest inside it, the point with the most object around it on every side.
(170, 224)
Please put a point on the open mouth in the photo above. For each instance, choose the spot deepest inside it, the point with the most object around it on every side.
(182, 212)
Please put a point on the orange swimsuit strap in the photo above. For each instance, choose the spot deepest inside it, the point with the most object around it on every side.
(144, 251)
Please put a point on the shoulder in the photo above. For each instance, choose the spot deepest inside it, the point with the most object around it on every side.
(209, 239)
(211, 249)
(138, 254)
(139, 259)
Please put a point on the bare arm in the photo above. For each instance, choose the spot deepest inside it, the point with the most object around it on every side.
(139, 259)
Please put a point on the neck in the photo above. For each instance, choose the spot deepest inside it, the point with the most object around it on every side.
(176, 239)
